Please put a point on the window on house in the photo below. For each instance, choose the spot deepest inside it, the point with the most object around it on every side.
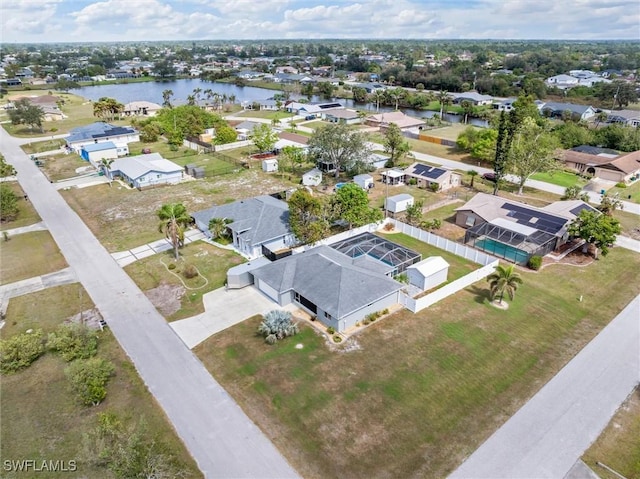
(470, 221)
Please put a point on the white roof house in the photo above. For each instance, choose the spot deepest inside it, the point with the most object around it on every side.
(147, 170)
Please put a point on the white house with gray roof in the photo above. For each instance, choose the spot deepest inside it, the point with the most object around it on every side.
(255, 222)
(337, 289)
(144, 171)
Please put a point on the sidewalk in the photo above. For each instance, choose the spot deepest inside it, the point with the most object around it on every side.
(26, 229)
(124, 258)
(38, 283)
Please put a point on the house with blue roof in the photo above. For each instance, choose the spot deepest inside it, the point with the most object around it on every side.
(95, 152)
(100, 132)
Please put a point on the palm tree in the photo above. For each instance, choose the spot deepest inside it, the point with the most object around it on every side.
(504, 280)
(232, 98)
(600, 117)
(444, 99)
(105, 164)
(173, 219)
(378, 95)
(218, 227)
(472, 174)
(191, 100)
(277, 325)
(196, 93)
(166, 98)
(467, 108)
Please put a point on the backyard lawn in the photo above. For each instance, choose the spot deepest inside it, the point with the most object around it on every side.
(632, 190)
(413, 395)
(27, 255)
(41, 419)
(27, 214)
(212, 263)
(618, 446)
(268, 114)
(42, 146)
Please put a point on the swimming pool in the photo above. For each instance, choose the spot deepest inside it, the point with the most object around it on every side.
(502, 250)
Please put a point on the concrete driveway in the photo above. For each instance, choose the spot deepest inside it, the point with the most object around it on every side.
(223, 309)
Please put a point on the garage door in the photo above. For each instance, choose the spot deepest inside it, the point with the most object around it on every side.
(268, 290)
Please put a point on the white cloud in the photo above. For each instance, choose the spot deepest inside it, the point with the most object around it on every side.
(28, 17)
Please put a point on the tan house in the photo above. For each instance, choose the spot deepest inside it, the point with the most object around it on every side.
(405, 122)
(427, 176)
(141, 108)
(621, 168)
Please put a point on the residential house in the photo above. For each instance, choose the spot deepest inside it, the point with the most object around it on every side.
(245, 129)
(505, 105)
(144, 171)
(606, 165)
(438, 178)
(626, 117)
(348, 117)
(315, 110)
(100, 132)
(394, 176)
(141, 108)
(516, 231)
(257, 223)
(562, 81)
(337, 289)
(94, 152)
(577, 112)
(472, 97)
(404, 122)
(270, 104)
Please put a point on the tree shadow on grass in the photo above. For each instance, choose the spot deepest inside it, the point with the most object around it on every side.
(481, 295)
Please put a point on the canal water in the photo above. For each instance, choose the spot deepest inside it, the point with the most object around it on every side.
(152, 92)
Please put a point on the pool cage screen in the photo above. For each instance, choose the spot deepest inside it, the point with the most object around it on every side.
(390, 253)
(510, 245)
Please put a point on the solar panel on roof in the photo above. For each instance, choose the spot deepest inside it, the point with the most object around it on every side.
(576, 211)
(428, 171)
(545, 222)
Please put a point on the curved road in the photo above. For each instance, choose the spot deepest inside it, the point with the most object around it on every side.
(221, 438)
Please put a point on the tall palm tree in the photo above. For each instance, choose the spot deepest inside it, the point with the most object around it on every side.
(173, 220)
(472, 174)
(166, 98)
(232, 98)
(191, 100)
(105, 164)
(196, 93)
(444, 99)
(504, 280)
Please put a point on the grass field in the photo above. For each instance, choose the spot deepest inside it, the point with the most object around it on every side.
(415, 394)
(42, 146)
(458, 266)
(27, 255)
(450, 132)
(268, 114)
(62, 166)
(41, 419)
(123, 218)
(618, 446)
(560, 178)
(212, 263)
(632, 190)
(27, 214)
(629, 222)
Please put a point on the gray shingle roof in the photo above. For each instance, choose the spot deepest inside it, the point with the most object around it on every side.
(329, 279)
(258, 219)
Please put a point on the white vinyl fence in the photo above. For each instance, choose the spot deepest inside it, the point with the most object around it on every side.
(231, 146)
(489, 263)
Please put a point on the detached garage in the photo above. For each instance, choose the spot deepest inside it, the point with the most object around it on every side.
(428, 273)
(95, 152)
(398, 203)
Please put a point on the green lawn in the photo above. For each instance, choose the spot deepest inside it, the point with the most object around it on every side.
(629, 222)
(269, 114)
(450, 132)
(27, 214)
(416, 394)
(27, 255)
(618, 446)
(458, 267)
(41, 419)
(42, 146)
(212, 262)
(630, 193)
(560, 178)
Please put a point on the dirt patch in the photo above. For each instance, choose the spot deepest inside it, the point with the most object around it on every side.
(166, 298)
(90, 318)
(575, 258)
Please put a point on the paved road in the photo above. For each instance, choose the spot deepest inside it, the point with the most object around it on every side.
(551, 431)
(221, 438)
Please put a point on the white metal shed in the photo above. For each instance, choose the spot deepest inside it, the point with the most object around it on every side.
(363, 181)
(428, 273)
(270, 165)
(398, 203)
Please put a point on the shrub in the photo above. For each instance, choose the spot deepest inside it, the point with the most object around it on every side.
(53, 130)
(172, 266)
(385, 311)
(402, 278)
(535, 262)
(621, 185)
(434, 224)
(331, 330)
(88, 379)
(388, 227)
(73, 341)
(434, 187)
(19, 351)
(8, 204)
(413, 182)
(337, 338)
(190, 271)
(277, 325)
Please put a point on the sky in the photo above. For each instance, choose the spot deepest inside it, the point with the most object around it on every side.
(48, 21)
